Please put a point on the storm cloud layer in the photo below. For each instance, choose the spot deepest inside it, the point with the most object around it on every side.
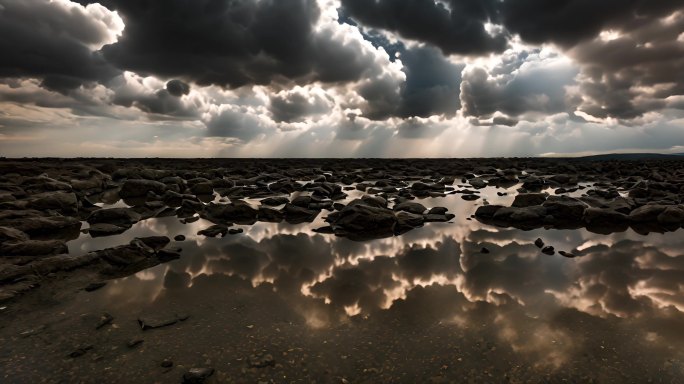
(340, 77)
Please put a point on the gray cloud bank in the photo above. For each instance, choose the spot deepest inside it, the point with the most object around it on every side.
(247, 70)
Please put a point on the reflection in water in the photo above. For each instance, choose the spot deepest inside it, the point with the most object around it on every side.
(548, 308)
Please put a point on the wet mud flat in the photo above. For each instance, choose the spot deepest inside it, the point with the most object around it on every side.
(483, 270)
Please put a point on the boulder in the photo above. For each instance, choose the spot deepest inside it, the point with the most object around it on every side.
(673, 215)
(235, 212)
(295, 214)
(33, 248)
(63, 202)
(12, 235)
(205, 188)
(33, 224)
(275, 201)
(270, 215)
(529, 199)
(117, 216)
(487, 211)
(140, 188)
(104, 229)
(364, 220)
(565, 208)
(214, 231)
(647, 213)
(411, 207)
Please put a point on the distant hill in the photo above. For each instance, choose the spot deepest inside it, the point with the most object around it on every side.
(633, 156)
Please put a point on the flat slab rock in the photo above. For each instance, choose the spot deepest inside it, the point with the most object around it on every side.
(159, 320)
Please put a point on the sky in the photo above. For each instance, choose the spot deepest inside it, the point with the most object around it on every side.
(340, 78)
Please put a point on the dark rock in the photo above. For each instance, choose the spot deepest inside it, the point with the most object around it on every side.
(214, 231)
(469, 197)
(197, 375)
(600, 216)
(673, 215)
(134, 342)
(159, 320)
(478, 183)
(270, 215)
(275, 201)
(116, 216)
(261, 361)
(548, 250)
(33, 248)
(179, 238)
(94, 286)
(411, 207)
(80, 351)
(236, 212)
(647, 213)
(484, 250)
(102, 229)
(105, 319)
(439, 218)
(154, 242)
(566, 254)
(140, 188)
(328, 230)
(235, 231)
(365, 220)
(32, 224)
(204, 188)
(438, 211)
(295, 214)
(487, 211)
(166, 363)
(63, 202)
(407, 221)
(529, 199)
(539, 243)
(564, 208)
(12, 235)
(535, 213)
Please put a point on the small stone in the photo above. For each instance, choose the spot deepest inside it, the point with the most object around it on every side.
(548, 250)
(105, 319)
(484, 250)
(167, 363)
(235, 231)
(197, 375)
(179, 238)
(80, 351)
(539, 243)
(134, 343)
(94, 286)
(567, 254)
(261, 361)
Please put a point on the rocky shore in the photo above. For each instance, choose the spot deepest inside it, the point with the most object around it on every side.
(44, 203)
(56, 294)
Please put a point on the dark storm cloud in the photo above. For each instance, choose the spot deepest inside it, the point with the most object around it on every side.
(296, 106)
(635, 72)
(432, 84)
(538, 87)
(233, 43)
(237, 124)
(51, 41)
(567, 22)
(455, 26)
(165, 102)
(432, 87)
(177, 88)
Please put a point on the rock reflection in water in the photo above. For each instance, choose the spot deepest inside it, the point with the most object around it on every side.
(441, 271)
